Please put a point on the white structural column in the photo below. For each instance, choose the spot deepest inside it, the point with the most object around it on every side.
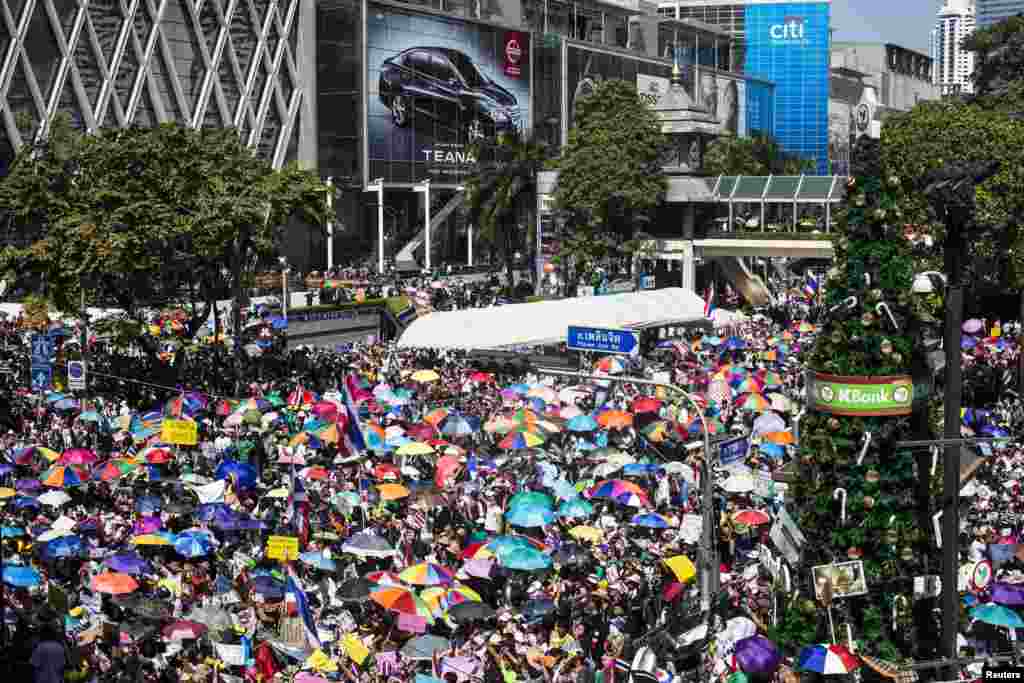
(424, 187)
(378, 187)
(330, 222)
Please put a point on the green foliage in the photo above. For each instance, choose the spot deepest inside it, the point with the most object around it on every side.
(874, 263)
(609, 174)
(498, 187)
(759, 155)
(934, 134)
(999, 64)
(140, 216)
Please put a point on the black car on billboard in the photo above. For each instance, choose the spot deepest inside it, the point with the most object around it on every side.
(446, 85)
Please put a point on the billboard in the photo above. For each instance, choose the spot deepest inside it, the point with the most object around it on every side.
(436, 87)
(788, 44)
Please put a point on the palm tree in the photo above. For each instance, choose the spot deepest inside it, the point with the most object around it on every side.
(504, 176)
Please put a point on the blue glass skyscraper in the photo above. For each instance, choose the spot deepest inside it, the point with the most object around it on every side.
(788, 44)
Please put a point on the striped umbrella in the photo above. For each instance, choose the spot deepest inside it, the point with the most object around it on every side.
(62, 476)
(403, 601)
(427, 574)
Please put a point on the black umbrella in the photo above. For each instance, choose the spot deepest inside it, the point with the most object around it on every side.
(570, 555)
(466, 612)
(538, 608)
(356, 590)
(176, 508)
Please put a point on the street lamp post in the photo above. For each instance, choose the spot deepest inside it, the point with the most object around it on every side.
(424, 187)
(378, 187)
(284, 286)
(330, 223)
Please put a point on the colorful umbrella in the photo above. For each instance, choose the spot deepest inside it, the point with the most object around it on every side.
(650, 520)
(184, 630)
(427, 574)
(61, 476)
(519, 440)
(621, 491)
(682, 568)
(403, 601)
(827, 659)
(753, 402)
(78, 456)
(114, 583)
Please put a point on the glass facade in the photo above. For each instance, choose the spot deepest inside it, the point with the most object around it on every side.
(107, 63)
(788, 44)
(991, 12)
(760, 107)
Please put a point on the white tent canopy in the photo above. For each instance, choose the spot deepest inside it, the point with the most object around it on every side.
(546, 322)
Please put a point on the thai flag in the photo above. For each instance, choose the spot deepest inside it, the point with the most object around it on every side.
(353, 435)
(709, 301)
(298, 509)
(295, 598)
(811, 286)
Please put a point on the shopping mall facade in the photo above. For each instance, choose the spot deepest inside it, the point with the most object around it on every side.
(367, 90)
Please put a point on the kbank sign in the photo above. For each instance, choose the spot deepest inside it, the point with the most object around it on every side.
(791, 30)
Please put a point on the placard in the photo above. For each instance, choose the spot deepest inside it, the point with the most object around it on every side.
(733, 450)
(847, 579)
(691, 528)
(180, 432)
(232, 655)
(284, 548)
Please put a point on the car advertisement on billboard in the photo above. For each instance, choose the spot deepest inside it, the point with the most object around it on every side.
(438, 90)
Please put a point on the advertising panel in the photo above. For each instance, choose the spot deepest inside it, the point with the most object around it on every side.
(437, 86)
(788, 44)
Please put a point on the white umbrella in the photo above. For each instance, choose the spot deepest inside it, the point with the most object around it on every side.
(739, 483)
(606, 469)
(54, 498)
(52, 534)
(64, 522)
(769, 422)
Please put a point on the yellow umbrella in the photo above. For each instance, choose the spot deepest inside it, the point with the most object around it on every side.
(415, 448)
(151, 540)
(6, 492)
(682, 567)
(425, 376)
(48, 453)
(280, 492)
(587, 533)
(392, 491)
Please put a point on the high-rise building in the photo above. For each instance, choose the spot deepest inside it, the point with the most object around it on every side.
(993, 11)
(953, 65)
(786, 43)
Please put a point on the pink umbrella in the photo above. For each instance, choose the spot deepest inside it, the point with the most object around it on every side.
(478, 568)
(78, 456)
(289, 458)
(147, 525)
(447, 467)
(325, 409)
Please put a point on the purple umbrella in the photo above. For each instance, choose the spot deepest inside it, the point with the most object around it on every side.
(6, 469)
(757, 654)
(147, 525)
(27, 484)
(128, 563)
(972, 326)
(1011, 594)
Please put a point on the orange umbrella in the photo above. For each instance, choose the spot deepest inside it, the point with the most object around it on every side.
(114, 583)
(436, 416)
(615, 419)
(781, 438)
(392, 491)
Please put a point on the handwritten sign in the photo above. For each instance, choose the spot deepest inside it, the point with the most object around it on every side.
(181, 432)
(284, 548)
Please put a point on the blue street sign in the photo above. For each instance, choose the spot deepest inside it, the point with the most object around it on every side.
(733, 450)
(42, 349)
(601, 340)
(42, 377)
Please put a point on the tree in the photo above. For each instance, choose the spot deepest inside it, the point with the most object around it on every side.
(497, 187)
(147, 216)
(934, 134)
(759, 155)
(999, 65)
(873, 264)
(609, 175)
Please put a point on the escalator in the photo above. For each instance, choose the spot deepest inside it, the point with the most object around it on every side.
(412, 256)
(751, 287)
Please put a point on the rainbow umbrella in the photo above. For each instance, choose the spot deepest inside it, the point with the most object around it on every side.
(770, 378)
(827, 659)
(750, 385)
(427, 574)
(32, 454)
(403, 601)
(650, 520)
(61, 476)
(657, 431)
(520, 440)
(753, 403)
(113, 469)
(621, 491)
(436, 416)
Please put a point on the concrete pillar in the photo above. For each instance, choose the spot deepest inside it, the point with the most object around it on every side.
(689, 216)
(689, 266)
(305, 65)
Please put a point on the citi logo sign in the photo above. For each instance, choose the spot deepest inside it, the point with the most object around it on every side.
(791, 30)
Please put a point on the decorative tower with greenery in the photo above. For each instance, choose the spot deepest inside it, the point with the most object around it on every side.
(854, 499)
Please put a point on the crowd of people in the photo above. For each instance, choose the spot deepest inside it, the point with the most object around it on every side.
(379, 514)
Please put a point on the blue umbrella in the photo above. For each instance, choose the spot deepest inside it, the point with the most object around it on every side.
(530, 516)
(600, 441)
(24, 502)
(520, 388)
(524, 559)
(65, 546)
(735, 344)
(6, 469)
(317, 560)
(11, 532)
(148, 504)
(193, 544)
(575, 508)
(564, 490)
(457, 425)
(581, 423)
(268, 587)
(505, 544)
(772, 450)
(530, 498)
(128, 563)
(968, 342)
(997, 615)
(244, 473)
(638, 469)
(207, 512)
(650, 520)
(21, 576)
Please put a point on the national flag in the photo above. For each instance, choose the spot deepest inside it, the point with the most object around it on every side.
(353, 434)
(147, 425)
(295, 598)
(297, 514)
(709, 301)
(811, 285)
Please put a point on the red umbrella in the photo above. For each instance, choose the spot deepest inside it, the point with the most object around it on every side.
(447, 467)
(386, 470)
(184, 630)
(672, 591)
(481, 377)
(420, 432)
(646, 404)
(751, 517)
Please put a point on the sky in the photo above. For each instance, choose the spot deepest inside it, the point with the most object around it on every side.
(907, 23)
